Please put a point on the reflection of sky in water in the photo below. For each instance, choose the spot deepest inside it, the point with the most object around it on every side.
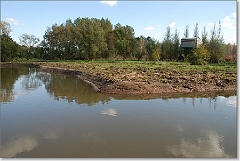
(231, 101)
(19, 90)
(110, 112)
(50, 135)
(18, 93)
(206, 147)
(24, 144)
(179, 128)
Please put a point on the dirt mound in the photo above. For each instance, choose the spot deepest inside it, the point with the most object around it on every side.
(169, 83)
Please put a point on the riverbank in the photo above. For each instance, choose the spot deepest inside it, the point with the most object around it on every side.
(129, 77)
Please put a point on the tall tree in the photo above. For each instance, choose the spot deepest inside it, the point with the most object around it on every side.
(124, 40)
(216, 45)
(167, 45)
(109, 36)
(204, 36)
(150, 47)
(91, 37)
(195, 32)
(157, 54)
(186, 31)
(8, 46)
(29, 41)
(139, 50)
(176, 45)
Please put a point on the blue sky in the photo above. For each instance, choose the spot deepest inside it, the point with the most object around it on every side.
(148, 18)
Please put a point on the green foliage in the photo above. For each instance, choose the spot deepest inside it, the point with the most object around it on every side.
(124, 40)
(8, 48)
(156, 54)
(216, 45)
(90, 39)
(167, 45)
(199, 56)
(217, 51)
(176, 45)
(170, 46)
(84, 39)
(204, 36)
(150, 47)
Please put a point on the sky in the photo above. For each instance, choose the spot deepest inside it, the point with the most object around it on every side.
(148, 18)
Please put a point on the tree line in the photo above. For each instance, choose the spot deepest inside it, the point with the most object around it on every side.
(91, 39)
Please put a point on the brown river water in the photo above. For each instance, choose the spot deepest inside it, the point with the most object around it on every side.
(46, 115)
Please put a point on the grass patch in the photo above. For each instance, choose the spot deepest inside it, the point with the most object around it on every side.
(143, 70)
(142, 65)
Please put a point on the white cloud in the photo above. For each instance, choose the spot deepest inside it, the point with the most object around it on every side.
(234, 15)
(149, 28)
(210, 24)
(206, 147)
(227, 22)
(232, 102)
(13, 21)
(110, 112)
(20, 145)
(51, 135)
(172, 24)
(180, 128)
(109, 3)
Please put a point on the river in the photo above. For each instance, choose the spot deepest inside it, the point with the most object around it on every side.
(47, 115)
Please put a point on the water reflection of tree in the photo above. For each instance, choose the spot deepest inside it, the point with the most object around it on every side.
(30, 81)
(72, 89)
(166, 96)
(210, 96)
(8, 78)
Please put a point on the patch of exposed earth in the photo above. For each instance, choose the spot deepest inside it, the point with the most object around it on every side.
(162, 81)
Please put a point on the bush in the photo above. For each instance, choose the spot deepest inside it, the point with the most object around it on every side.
(156, 55)
(199, 56)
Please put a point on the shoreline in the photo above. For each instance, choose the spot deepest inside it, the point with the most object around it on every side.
(125, 87)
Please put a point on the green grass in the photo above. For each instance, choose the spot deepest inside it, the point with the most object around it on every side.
(109, 68)
(178, 66)
(162, 71)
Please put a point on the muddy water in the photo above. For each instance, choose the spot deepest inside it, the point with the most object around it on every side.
(45, 115)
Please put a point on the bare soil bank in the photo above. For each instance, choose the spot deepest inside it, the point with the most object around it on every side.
(173, 85)
(170, 81)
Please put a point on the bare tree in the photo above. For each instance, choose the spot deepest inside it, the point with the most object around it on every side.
(29, 41)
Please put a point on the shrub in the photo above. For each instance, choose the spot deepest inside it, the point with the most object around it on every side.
(199, 56)
(156, 55)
